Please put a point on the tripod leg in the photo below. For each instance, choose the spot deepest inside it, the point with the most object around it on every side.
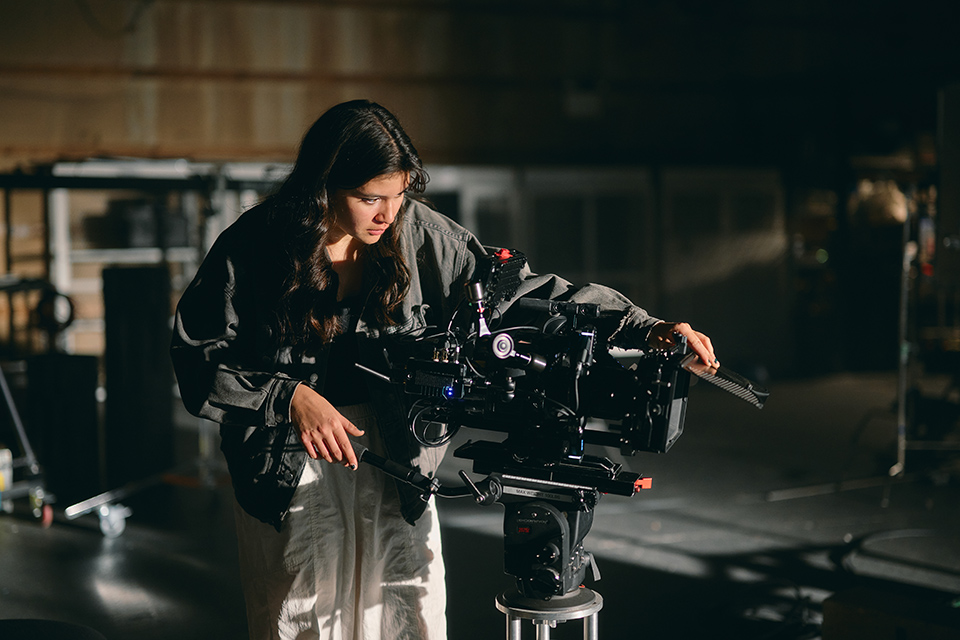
(543, 629)
(514, 630)
(591, 627)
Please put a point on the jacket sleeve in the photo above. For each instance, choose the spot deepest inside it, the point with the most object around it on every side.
(630, 324)
(220, 374)
(626, 324)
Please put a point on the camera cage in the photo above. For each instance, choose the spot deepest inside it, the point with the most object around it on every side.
(541, 375)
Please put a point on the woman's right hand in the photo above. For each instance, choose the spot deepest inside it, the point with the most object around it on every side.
(323, 431)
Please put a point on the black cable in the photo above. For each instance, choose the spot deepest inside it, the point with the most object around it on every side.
(416, 410)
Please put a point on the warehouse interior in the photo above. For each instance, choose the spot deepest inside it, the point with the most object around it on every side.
(783, 176)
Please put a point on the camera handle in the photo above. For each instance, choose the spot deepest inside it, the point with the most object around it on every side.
(427, 486)
(486, 492)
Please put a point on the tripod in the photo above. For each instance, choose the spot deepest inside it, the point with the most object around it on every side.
(544, 526)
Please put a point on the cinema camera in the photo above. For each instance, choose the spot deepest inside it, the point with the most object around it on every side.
(540, 373)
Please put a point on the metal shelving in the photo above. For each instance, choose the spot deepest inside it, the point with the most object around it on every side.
(212, 196)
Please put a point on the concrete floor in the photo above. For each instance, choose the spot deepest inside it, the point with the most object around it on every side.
(755, 518)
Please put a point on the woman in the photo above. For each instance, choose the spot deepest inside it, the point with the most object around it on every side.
(295, 292)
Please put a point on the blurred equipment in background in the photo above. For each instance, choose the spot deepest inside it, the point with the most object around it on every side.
(110, 239)
(907, 312)
(905, 228)
(61, 410)
(138, 429)
(58, 392)
(948, 231)
(929, 423)
(20, 473)
(877, 212)
(137, 223)
(139, 376)
(37, 314)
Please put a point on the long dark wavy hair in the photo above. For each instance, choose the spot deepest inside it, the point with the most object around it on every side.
(346, 147)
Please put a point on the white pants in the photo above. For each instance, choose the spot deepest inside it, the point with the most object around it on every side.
(345, 565)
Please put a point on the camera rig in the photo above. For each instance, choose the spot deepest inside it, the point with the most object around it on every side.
(543, 374)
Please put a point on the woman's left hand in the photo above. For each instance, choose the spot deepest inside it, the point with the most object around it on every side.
(664, 336)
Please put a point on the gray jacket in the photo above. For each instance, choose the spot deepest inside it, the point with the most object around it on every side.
(232, 370)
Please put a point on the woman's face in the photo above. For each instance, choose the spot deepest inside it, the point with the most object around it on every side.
(365, 213)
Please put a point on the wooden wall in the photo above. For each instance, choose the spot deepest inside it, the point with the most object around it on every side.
(473, 80)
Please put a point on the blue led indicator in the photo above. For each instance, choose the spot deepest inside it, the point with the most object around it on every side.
(448, 391)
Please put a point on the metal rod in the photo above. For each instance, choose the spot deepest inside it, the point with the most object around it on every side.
(8, 234)
(514, 628)
(543, 629)
(828, 488)
(18, 424)
(909, 252)
(591, 627)
(8, 259)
